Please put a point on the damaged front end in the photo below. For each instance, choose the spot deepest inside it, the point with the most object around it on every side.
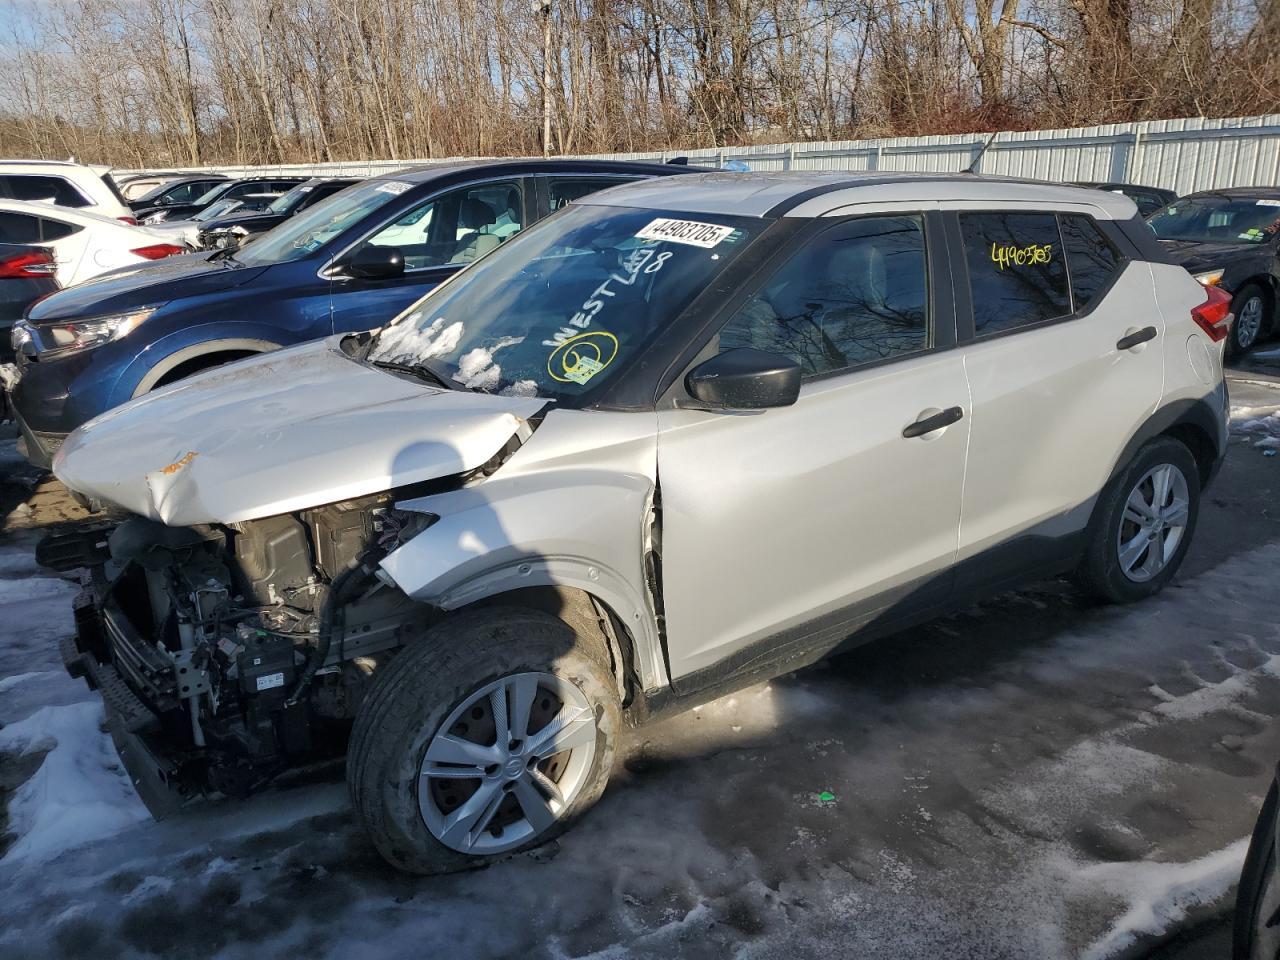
(229, 653)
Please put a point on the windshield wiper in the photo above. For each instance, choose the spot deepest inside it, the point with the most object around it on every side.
(419, 370)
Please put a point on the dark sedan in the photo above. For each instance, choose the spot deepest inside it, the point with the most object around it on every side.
(222, 190)
(183, 190)
(235, 229)
(1230, 239)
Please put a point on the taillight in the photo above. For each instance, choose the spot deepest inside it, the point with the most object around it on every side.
(20, 266)
(1214, 315)
(131, 221)
(158, 251)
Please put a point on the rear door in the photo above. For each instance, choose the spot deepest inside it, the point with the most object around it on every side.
(437, 237)
(1044, 298)
(785, 530)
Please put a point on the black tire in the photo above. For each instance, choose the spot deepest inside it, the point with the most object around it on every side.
(1257, 894)
(1100, 571)
(1239, 303)
(415, 693)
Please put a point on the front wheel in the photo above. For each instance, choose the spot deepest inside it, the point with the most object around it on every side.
(1144, 524)
(489, 735)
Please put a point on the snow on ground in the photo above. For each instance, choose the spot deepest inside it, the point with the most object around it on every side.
(1034, 777)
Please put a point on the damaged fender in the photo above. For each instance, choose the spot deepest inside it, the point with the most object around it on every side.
(529, 526)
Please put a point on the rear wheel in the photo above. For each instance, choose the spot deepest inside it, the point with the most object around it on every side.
(490, 735)
(1252, 307)
(1145, 522)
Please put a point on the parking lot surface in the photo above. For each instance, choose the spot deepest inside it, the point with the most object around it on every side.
(1037, 776)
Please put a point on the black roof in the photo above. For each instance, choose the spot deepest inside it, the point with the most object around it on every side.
(526, 167)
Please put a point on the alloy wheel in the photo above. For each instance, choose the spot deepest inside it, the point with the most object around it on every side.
(507, 763)
(1249, 322)
(1153, 523)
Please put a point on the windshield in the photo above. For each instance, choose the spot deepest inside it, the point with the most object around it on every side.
(1218, 219)
(316, 226)
(211, 194)
(559, 309)
(287, 201)
(217, 209)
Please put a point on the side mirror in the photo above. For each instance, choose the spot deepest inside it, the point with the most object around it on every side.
(745, 379)
(372, 262)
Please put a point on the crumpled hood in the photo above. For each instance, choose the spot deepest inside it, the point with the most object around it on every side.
(281, 432)
(143, 285)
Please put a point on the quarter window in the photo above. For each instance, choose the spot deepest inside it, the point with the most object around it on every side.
(855, 295)
(1091, 260)
(1017, 271)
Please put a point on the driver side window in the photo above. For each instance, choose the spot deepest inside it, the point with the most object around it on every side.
(457, 227)
(854, 295)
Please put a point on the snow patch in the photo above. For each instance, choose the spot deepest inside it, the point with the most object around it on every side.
(1159, 894)
(8, 683)
(80, 793)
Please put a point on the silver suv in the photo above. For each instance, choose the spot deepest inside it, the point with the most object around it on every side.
(681, 437)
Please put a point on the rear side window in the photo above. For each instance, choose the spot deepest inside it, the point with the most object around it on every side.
(46, 189)
(1017, 270)
(567, 189)
(19, 228)
(1092, 261)
(856, 294)
(57, 229)
(187, 192)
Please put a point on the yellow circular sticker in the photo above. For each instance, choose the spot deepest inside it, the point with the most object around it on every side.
(580, 358)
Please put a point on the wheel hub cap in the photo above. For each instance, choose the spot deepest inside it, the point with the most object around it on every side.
(1153, 522)
(507, 763)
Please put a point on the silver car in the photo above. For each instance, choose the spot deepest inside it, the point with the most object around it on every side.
(681, 437)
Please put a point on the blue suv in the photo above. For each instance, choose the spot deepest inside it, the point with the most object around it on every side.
(351, 262)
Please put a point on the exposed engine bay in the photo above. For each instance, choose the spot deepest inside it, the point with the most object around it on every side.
(227, 654)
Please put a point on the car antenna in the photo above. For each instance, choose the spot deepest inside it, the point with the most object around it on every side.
(973, 164)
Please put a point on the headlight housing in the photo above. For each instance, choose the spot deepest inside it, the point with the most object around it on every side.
(20, 335)
(73, 336)
(1210, 278)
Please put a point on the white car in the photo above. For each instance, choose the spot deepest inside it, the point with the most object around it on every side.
(685, 435)
(83, 244)
(75, 185)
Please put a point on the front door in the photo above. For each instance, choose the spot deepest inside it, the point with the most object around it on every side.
(785, 530)
(438, 237)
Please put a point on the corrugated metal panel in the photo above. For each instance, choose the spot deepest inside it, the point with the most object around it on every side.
(1183, 155)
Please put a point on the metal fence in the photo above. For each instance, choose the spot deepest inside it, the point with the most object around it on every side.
(1181, 155)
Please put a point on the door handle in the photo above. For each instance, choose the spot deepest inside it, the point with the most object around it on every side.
(929, 424)
(1131, 340)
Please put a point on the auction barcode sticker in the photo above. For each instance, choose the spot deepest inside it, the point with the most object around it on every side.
(685, 231)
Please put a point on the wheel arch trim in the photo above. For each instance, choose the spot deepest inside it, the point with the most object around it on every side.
(206, 348)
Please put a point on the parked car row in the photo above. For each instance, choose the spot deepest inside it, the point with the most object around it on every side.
(516, 452)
